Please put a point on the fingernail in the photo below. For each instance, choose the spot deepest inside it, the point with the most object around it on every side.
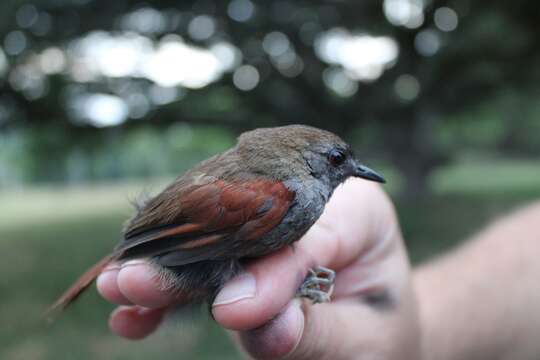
(105, 277)
(239, 288)
(296, 308)
(133, 263)
(109, 268)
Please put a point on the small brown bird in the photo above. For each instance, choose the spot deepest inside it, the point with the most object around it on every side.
(251, 200)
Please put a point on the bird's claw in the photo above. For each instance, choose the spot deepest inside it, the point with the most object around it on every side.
(318, 285)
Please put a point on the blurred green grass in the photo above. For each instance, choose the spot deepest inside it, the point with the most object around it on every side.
(50, 235)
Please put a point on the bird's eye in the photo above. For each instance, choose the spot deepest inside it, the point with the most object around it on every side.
(336, 157)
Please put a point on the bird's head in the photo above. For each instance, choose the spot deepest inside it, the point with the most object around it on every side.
(298, 151)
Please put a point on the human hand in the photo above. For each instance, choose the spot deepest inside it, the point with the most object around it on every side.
(372, 314)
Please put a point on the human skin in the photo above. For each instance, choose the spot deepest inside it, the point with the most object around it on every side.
(373, 313)
(482, 301)
(477, 302)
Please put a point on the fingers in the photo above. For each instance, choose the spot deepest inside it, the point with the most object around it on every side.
(135, 322)
(135, 282)
(262, 295)
(108, 286)
(303, 331)
(251, 299)
(356, 218)
(342, 330)
(139, 282)
(374, 314)
(263, 291)
(278, 337)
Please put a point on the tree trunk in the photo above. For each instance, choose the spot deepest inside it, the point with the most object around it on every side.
(413, 150)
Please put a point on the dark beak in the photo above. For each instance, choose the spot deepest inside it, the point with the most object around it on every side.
(366, 173)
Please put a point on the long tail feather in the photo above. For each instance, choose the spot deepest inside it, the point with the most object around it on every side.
(71, 294)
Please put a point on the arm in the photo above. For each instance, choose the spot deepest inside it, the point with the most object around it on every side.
(482, 301)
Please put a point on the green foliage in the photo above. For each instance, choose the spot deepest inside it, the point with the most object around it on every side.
(142, 153)
(470, 86)
(481, 176)
(508, 124)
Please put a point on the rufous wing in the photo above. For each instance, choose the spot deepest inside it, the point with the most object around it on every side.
(209, 217)
(200, 226)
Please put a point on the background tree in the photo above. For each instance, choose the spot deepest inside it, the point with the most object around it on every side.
(442, 67)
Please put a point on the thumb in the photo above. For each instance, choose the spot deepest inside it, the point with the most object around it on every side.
(348, 329)
(301, 331)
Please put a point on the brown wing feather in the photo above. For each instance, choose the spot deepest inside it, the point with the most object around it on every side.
(262, 207)
(211, 213)
(203, 219)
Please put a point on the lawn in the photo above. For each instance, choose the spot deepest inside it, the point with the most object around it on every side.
(49, 235)
(70, 229)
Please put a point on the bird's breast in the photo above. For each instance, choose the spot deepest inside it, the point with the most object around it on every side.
(307, 207)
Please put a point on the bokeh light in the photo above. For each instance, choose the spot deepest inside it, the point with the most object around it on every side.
(201, 27)
(446, 19)
(241, 10)
(27, 16)
(15, 42)
(101, 110)
(407, 13)
(363, 56)
(407, 87)
(4, 65)
(427, 42)
(338, 81)
(246, 77)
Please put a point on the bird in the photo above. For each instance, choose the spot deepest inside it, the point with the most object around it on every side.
(249, 201)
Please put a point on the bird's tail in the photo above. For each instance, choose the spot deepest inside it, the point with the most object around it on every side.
(71, 294)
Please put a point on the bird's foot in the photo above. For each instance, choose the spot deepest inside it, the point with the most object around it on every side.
(318, 285)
